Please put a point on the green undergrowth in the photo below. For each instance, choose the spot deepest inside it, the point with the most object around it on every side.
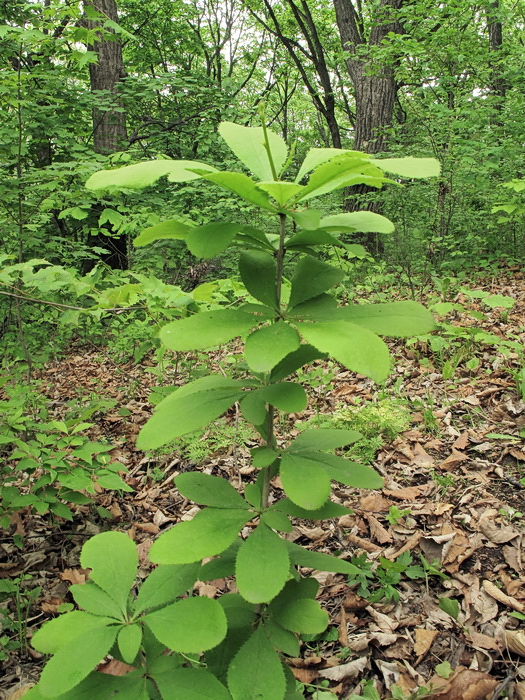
(378, 423)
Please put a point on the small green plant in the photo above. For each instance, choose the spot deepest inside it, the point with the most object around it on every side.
(510, 514)
(444, 482)
(216, 438)
(52, 465)
(395, 514)
(17, 597)
(378, 581)
(293, 321)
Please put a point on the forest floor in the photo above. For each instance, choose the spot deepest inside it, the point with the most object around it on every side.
(448, 524)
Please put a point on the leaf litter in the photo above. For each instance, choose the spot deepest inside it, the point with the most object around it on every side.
(454, 474)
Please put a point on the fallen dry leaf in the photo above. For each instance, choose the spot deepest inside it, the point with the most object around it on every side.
(468, 685)
(74, 575)
(424, 640)
(515, 641)
(495, 533)
(502, 597)
(350, 670)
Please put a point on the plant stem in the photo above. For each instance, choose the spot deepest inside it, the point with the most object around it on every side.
(270, 437)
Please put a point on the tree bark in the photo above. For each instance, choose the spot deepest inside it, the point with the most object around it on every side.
(109, 122)
(375, 91)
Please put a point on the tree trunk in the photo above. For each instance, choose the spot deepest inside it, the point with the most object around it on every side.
(375, 91)
(109, 121)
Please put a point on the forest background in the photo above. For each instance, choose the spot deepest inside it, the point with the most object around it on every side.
(91, 85)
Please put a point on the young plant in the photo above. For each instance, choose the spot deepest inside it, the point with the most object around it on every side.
(290, 324)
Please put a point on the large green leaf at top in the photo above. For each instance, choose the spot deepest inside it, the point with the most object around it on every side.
(189, 626)
(211, 239)
(342, 171)
(209, 490)
(409, 166)
(210, 532)
(312, 277)
(173, 229)
(74, 661)
(206, 329)
(318, 156)
(190, 684)
(258, 272)
(304, 480)
(282, 192)
(113, 560)
(320, 308)
(355, 347)
(314, 237)
(244, 186)
(143, 174)
(362, 221)
(262, 565)
(256, 672)
(182, 412)
(250, 147)
(399, 319)
(267, 346)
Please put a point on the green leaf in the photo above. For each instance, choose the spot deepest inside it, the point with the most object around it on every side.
(263, 457)
(344, 170)
(305, 481)
(499, 300)
(316, 560)
(355, 347)
(450, 606)
(190, 684)
(292, 362)
(327, 510)
(262, 566)
(209, 490)
(249, 145)
(282, 192)
(324, 439)
(310, 238)
(307, 218)
(349, 473)
(318, 156)
(129, 641)
(144, 174)
(242, 185)
(188, 409)
(286, 396)
(61, 631)
(189, 626)
(282, 639)
(254, 407)
(210, 532)
(113, 560)
(321, 308)
(166, 583)
(303, 616)
(362, 221)
(211, 239)
(398, 319)
(74, 661)
(277, 520)
(94, 600)
(311, 278)
(206, 329)
(409, 166)
(101, 686)
(258, 272)
(267, 346)
(256, 672)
